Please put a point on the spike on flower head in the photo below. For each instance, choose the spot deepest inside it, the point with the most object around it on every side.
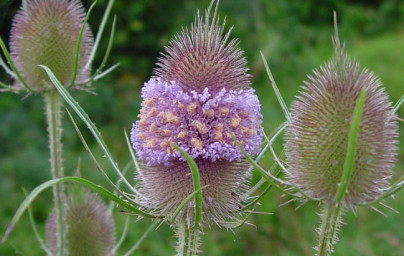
(90, 227)
(317, 136)
(46, 32)
(198, 99)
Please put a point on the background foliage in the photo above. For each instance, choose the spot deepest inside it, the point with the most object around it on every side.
(294, 35)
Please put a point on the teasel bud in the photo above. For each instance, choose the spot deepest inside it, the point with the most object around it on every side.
(317, 135)
(199, 96)
(90, 229)
(46, 32)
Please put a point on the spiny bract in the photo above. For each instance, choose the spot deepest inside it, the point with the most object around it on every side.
(199, 97)
(320, 121)
(46, 32)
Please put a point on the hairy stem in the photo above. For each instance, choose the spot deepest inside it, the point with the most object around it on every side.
(194, 237)
(53, 104)
(330, 223)
(181, 234)
(188, 240)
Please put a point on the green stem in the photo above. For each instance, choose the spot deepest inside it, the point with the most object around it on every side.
(330, 223)
(53, 103)
(181, 235)
(188, 240)
(194, 236)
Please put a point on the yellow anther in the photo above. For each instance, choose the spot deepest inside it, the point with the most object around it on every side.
(163, 144)
(150, 143)
(218, 135)
(235, 121)
(167, 132)
(152, 127)
(181, 134)
(191, 109)
(219, 127)
(171, 118)
(224, 111)
(197, 143)
(151, 112)
(148, 101)
(142, 122)
(244, 129)
(201, 127)
(141, 136)
(209, 112)
(162, 101)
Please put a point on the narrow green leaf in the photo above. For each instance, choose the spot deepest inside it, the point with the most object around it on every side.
(196, 182)
(33, 225)
(91, 126)
(132, 152)
(352, 141)
(275, 88)
(398, 104)
(11, 63)
(100, 31)
(31, 197)
(5, 67)
(108, 51)
(77, 60)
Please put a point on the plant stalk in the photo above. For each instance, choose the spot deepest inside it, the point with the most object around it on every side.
(53, 105)
(188, 240)
(330, 223)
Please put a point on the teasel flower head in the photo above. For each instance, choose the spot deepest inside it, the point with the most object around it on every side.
(320, 121)
(199, 96)
(90, 229)
(46, 32)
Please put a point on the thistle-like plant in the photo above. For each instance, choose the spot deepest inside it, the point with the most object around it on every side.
(47, 32)
(90, 229)
(340, 142)
(52, 33)
(199, 97)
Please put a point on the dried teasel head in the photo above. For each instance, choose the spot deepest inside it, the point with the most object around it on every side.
(46, 32)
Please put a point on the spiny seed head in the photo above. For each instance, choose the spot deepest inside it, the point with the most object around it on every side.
(317, 136)
(90, 229)
(198, 100)
(201, 57)
(164, 188)
(46, 32)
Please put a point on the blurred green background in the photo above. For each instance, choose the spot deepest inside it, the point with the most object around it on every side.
(295, 37)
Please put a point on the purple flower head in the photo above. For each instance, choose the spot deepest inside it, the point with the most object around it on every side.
(90, 229)
(317, 136)
(46, 32)
(199, 97)
(200, 123)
